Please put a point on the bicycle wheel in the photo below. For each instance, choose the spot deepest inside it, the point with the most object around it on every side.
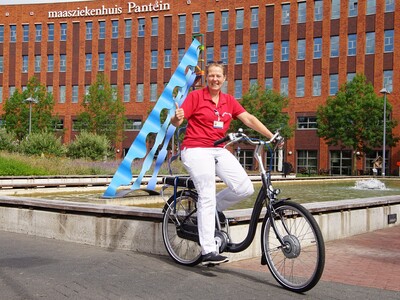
(298, 264)
(179, 229)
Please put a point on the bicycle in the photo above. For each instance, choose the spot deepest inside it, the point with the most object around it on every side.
(291, 240)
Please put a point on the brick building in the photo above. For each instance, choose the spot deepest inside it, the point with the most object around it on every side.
(305, 49)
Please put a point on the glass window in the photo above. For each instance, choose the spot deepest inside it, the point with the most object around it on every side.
(114, 29)
(141, 25)
(353, 8)
(88, 62)
(63, 62)
(224, 54)
(269, 83)
(239, 18)
(63, 31)
(335, 10)
(269, 51)
(239, 54)
(127, 60)
(224, 20)
(238, 89)
(1, 33)
(350, 76)
(1, 64)
(38, 62)
(285, 86)
(286, 14)
(1, 100)
(196, 23)
(13, 33)
(300, 86)
(317, 47)
(102, 30)
(62, 92)
(301, 49)
(140, 92)
(340, 162)
(254, 17)
(25, 33)
(307, 160)
(301, 12)
(253, 53)
(317, 85)
(388, 80)
(49, 89)
(101, 61)
(318, 10)
(154, 26)
(154, 59)
(370, 43)
(75, 94)
(333, 84)
(132, 125)
(167, 58)
(306, 122)
(182, 24)
(25, 63)
(389, 40)
(210, 21)
(38, 32)
(50, 63)
(128, 28)
(209, 54)
(371, 7)
(114, 61)
(89, 31)
(127, 92)
(389, 5)
(153, 92)
(50, 32)
(284, 50)
(352, 44)
(181, 53)
(335, 46)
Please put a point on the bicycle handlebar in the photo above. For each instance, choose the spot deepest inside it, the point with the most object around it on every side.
(237, 136)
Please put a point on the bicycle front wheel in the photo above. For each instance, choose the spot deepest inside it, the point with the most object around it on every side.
(298, 263)
(179, 229)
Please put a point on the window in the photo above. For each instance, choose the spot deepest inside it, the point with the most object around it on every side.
(253, 53)
(1, 33)
(128, 28)
(224, 54)
(340, 162)
(335, 10)
(127, 60)
(127, 92)
(139, 92)
(141, 24)
(114, 61)
(38, 62)
(132, 125)
(317, 47)
(238, 89)
(182, 24)
(318, 10)
(101, 61)
(389, 5)
(114, 29)
(335, 46)
(371, 7)
(239, 18)
(269, 52)
(389, 40)
(239, 54)
(269, 83)
(13, 33)
(88, 62)
(75, 94)
(196, 23)
(63, 62)
(50, 63)
(210, 21)
(285, 86)
(350, 76)
(224, 20)
(181, 53)
(154, 26)
(306, 122)
(62, 92)
(209, 54)
(333, 84)
(25, 33)
(300, 86)
(102, 30)
(301, 12)
(370, 43)
(285, 14)
(50, 32)
(284, 50)
(63, 31)
(1, 100)
(317, 85)
(153, 92)
(388, 80)
(301, 49)
(1, 64)
(353, 8)
(89, 31)
(307, 160)
(254, 17)
(154, 59)
(25, 63)
(167, 58)
(38, 32)
(352, 44)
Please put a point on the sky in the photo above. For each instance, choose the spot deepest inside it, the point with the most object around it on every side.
(10, 2)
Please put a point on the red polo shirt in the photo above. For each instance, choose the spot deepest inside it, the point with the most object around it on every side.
(201, 113)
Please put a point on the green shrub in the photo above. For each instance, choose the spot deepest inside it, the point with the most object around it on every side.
(89, 146)
(13, 167)
(42, 144)
(7, 141)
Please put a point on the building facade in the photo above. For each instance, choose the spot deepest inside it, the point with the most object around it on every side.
(305, 49)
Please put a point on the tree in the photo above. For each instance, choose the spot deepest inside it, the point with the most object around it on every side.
(354, 118)
(267, 106)
(103, 111)
(16, 110)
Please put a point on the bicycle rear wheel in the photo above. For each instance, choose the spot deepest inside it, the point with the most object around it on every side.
(298, 264)
(179, 229)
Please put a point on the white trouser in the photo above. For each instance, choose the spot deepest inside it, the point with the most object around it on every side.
(202, 164)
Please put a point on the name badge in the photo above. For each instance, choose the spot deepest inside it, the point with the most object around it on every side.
(218, 124)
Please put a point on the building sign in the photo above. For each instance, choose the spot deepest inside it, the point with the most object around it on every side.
(132, 7)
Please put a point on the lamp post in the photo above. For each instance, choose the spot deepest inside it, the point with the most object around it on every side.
(31, 101)
(384, 91)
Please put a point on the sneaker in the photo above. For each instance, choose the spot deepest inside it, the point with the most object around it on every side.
(221, 217)
(213, 258)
